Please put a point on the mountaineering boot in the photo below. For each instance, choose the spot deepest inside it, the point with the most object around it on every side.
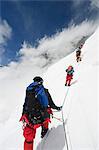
(43, 132)
(28, 145)
(65, 84)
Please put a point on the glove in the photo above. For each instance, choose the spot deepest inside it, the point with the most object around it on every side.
(59, 108)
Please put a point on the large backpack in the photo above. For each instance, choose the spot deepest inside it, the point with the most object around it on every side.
(36, 102)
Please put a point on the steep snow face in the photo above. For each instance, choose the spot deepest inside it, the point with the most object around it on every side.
(81, 103)
(80, 109)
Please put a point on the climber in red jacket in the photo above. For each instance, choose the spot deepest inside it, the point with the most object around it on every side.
(69, 76)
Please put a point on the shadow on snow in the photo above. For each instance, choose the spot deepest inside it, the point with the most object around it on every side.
(54, 141)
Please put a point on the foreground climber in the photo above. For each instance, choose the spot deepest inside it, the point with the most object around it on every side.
(36, 111)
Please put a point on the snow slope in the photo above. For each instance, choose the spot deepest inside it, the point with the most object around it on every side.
(81, 105)
(80, 109)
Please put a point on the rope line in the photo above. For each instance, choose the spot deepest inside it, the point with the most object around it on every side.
(69, 138)
(64, 122)
(65, 97)
(65, 131)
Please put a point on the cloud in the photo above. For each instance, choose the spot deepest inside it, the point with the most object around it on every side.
(95, 3)
(5, 34)
(51, 49)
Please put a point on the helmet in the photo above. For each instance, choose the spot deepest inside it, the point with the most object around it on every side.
(70, 67)
(38, 79)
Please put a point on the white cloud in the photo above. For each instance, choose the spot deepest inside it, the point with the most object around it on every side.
(5, 34)
(95, 3)
(59, 45)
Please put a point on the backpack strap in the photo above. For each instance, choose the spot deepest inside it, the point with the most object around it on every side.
(41, 96)
(32, 86)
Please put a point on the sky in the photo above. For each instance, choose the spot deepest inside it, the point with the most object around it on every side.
(34, 22)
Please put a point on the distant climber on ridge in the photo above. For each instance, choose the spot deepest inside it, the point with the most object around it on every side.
(78, 53)
(36, 111)
(69, 76)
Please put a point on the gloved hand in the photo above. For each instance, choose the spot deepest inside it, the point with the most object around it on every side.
(59, 108)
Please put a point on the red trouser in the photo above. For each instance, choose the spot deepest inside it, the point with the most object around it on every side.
(29, 134)
(68, 79)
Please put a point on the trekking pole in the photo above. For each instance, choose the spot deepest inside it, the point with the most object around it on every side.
(65, 132)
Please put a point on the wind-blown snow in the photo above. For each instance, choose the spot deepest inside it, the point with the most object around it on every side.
(80, 108)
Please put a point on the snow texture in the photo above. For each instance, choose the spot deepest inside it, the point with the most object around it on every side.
(80, 110)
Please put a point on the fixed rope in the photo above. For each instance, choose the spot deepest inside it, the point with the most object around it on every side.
(65, 97)
(65, 132)
(66, 141)
(70, 144)
(64, 123)
(59, 119)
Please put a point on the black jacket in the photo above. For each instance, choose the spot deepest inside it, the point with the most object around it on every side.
(36, 113)
(78, 52)
(51, 103)
(30, 102)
